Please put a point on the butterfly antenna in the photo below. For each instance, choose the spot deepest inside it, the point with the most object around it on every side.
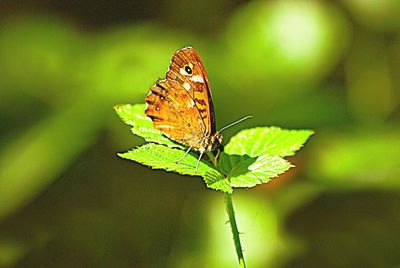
(236, 122)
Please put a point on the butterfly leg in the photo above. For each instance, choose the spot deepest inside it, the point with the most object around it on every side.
(183, 157)
(198, 160)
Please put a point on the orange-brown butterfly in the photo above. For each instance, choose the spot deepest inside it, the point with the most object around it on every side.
(181, 104)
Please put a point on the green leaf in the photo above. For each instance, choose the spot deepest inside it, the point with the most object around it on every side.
(162, 157)
(217, 182)
(252, 157)
(133, 115)
(234, 165)
(272, 141)
(246, 171)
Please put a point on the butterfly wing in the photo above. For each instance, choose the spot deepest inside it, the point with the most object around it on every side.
(181, 105)
(188, 70)
(174, 113)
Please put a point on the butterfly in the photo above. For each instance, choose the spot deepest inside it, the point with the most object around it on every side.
(181, 105)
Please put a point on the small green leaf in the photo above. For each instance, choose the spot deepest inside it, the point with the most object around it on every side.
(162, 157)
(272, 141)
(133, 115)
(246, 171)
(217, 182)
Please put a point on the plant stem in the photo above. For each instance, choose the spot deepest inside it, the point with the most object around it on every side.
(234, 229)
(232, 219)
(212, 158)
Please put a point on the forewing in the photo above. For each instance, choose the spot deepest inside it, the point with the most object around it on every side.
(195, 83)
(174, 113)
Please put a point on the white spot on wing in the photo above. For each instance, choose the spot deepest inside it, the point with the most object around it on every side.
(186, 85)
(191, 105)
(197, 78)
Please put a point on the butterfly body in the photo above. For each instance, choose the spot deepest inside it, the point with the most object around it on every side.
(181, 104)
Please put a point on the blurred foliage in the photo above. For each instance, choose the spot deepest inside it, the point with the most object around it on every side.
(66, 200)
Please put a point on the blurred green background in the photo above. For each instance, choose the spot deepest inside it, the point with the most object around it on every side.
(67, 200)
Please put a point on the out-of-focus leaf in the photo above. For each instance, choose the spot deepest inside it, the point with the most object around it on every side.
(11, 252)
(358, 159)
(372, 95)
(127, 61)
(163, 157)
(267, 141)
(302, 40)
(142, 125)
(381, 16)
(39, 51)
(245, 171)
(33, 160)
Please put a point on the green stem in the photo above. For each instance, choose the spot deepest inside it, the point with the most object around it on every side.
(232, 220)
(234, 229)
(212, 158)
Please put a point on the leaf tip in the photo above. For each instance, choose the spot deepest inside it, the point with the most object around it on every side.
(310, 131)
(118, 108)
(122, 155)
